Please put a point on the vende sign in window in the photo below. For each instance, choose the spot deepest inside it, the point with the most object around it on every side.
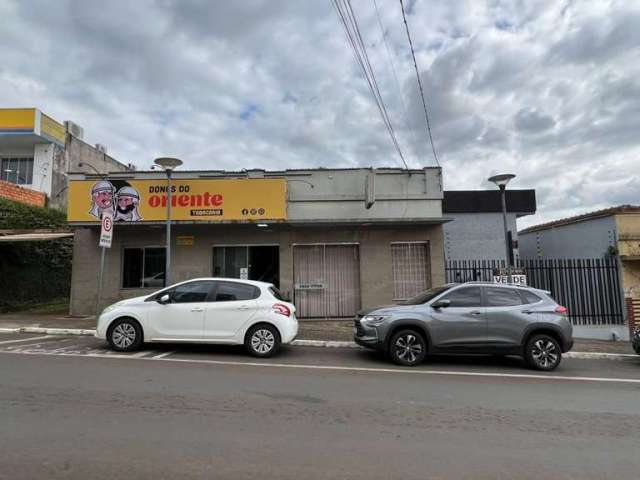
(191, 199)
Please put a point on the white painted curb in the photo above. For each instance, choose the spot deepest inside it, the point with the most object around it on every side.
(324, 343)
(49, 331)
(599, 355)
(305, 343)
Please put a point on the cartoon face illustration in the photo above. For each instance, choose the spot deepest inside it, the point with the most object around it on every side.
(126, 204)
(127, 201)
(102, 198)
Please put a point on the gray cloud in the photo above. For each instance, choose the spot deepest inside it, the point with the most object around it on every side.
(550, 94)
(532, 121)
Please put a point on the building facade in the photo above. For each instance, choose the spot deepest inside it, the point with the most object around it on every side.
(333, 240)
(36, 152)
(476, 230)
(612, 234)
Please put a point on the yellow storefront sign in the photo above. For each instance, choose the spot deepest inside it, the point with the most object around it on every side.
(197, 200)
(17, 120)
(52, 130)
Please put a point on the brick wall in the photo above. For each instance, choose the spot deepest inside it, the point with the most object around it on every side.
(16, 193)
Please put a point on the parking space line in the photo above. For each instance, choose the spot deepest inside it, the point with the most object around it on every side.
(143, 354)
(5, 342)
(517, 376)
(165, 354)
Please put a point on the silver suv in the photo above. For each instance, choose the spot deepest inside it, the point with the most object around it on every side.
(485, 318)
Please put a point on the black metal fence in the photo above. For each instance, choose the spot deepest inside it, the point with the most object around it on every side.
(589, 288)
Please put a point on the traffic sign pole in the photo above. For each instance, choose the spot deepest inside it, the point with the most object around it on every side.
(99, 296)
(106, 234)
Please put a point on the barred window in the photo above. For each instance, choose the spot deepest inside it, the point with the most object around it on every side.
(18, 170)
(411, 269)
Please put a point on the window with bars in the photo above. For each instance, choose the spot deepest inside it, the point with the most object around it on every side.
(18, 170)
(411, 270)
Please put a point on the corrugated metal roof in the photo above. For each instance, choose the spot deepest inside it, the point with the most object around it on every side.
(606, 212)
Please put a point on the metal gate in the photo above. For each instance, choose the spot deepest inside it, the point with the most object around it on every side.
(589, 288)
(326, 280)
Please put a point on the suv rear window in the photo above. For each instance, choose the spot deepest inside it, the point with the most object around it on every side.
(529, 297)
(502, 297)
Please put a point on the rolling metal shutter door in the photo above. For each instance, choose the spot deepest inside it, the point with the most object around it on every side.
(335, 272)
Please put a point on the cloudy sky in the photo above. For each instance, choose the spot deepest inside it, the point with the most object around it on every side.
(548, 90)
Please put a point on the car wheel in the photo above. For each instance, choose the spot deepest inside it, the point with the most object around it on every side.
(408, 348)
(542, 352)
(262, 341)
(125, 335)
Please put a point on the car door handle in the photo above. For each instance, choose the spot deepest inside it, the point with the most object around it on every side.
(197, 309)
(243, 307)
(475, 312)
(528, 311)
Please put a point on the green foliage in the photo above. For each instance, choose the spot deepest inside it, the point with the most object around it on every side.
(14, 215)
(33, 272)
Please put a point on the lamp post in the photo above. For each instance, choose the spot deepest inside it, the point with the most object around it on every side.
(168, 164)
(501, 181)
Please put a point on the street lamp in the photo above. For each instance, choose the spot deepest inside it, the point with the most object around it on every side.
(501, 181)
(168, 164)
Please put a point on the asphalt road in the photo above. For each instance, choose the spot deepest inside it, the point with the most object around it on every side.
(69, 408)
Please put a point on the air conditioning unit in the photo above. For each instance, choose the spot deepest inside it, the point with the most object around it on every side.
(101, 148)
(74, 129)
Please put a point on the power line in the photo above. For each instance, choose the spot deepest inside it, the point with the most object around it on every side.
(347, 17)
(393, 70)
(424, 103)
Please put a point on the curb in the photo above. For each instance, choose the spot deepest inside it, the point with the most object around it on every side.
(304, 343)
(324, 343)
(49, 331)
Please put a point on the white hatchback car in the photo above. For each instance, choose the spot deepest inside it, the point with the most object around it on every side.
(203, 310)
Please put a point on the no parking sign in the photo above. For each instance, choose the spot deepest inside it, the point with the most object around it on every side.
(106, 231)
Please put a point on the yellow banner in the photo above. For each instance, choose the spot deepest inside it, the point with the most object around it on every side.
(198, 200)
(52, 130)
(17, 119)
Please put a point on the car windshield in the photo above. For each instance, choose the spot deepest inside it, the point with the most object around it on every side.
(427, 295)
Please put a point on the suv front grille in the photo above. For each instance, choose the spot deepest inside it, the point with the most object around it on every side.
(359, 329)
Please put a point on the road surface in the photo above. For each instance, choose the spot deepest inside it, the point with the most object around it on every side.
(71, 409)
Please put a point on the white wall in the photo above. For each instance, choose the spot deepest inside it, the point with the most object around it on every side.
(42, 167)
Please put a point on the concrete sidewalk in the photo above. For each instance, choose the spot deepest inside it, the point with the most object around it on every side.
(331, 330)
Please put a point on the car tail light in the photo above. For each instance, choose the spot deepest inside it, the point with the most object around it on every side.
(282, 309)
(561, 310)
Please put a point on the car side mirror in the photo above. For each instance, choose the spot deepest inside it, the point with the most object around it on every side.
(441, 304)
(164, 299)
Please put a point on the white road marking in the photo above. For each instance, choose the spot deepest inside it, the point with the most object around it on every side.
(162, 355)
(520, 376)
(143, 354)
(24, 339)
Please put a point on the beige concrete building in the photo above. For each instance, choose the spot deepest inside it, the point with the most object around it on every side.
(333, 240)
(37, 151)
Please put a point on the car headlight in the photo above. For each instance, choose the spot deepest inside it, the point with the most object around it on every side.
(373, 320)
